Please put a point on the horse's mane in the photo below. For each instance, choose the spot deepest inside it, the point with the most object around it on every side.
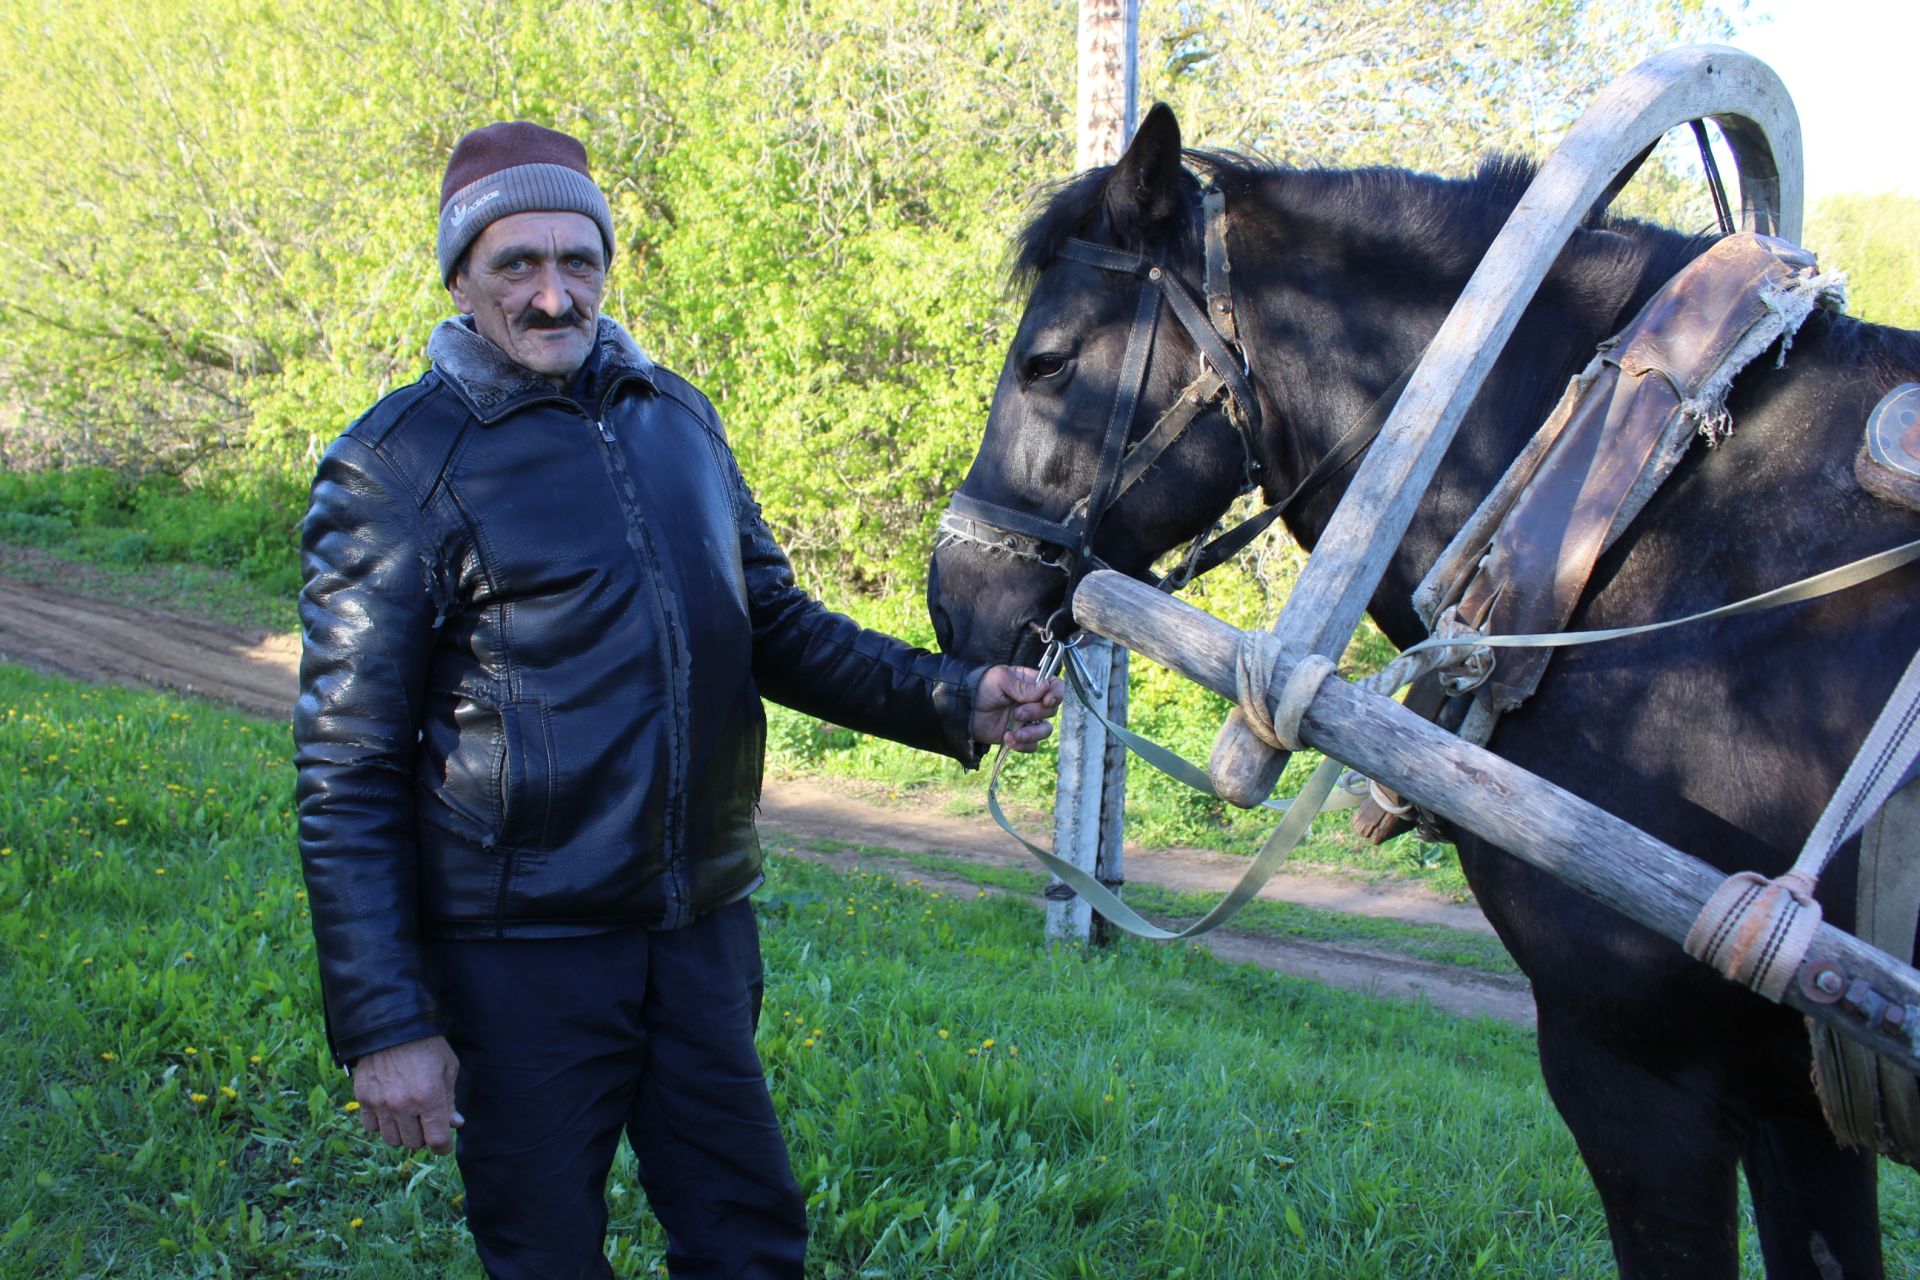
(1412, 225)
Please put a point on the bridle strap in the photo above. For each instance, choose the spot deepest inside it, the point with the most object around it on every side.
(1219, 288)
(1133, 377)
(1223, 368)
(1055, 533)
(1217, 551)
(1172, 425)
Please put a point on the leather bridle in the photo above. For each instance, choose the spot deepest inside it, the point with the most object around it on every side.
(1067, 544)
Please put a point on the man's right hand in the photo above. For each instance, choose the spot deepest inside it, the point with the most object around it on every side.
(406, 1094)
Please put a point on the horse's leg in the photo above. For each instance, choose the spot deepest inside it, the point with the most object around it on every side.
(1816, 1203)
(1658, 1149)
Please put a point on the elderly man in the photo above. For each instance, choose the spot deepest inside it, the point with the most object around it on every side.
(540, 611)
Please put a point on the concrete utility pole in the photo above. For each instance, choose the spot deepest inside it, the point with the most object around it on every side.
(1090, 795)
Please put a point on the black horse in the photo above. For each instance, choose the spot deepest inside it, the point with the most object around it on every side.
(1725, 740)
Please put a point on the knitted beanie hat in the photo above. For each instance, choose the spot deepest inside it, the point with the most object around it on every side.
(514, 167)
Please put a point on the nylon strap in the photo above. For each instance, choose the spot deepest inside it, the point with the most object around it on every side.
(1320, 795)
(1292, 829)
(1879, 769)
(1173, 765)
(1820, 584)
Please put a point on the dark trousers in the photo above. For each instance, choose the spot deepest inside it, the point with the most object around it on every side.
(563, 1043)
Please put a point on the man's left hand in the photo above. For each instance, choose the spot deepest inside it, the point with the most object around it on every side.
(1013, 705)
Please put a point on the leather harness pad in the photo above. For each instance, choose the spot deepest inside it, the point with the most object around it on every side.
(1888, 465)
(1619, 430)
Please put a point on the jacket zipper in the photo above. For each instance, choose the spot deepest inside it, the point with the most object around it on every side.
(642, 544)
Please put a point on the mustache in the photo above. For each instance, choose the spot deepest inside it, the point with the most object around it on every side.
(568, 319)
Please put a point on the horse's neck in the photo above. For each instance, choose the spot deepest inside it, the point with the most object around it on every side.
(1328, 350)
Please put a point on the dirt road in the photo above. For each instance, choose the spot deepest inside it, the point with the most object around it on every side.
(84, 637)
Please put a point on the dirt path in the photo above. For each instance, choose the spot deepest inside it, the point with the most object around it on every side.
(83, 637)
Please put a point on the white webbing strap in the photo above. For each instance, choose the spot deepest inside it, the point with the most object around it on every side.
(1756, 931)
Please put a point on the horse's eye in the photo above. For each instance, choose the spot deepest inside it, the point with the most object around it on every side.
(1045, 365)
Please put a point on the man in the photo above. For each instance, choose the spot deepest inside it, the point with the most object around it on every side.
(540, 611)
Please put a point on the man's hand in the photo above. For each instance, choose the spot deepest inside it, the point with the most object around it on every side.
(1012, 706)
(406, 1094)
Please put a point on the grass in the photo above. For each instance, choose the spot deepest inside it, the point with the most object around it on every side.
(1434, 943)
(226, 550)
(959, 1101)
(1160, 811)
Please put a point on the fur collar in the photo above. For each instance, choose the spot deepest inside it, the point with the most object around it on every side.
(488, 379)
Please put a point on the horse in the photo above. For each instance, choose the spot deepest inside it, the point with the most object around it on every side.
(1723, 739)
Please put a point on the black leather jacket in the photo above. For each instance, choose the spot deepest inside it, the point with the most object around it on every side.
(537, 632)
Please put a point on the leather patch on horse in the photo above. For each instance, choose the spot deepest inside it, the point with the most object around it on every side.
(1521, 563)
(1888, 464)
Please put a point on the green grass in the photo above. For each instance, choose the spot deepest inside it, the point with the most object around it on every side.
(1435, 943)
(227, 549)
(1160, 811)
(959, 1102)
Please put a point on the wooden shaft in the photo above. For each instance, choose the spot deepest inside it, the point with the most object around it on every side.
(1697, 82)
(1552, 829)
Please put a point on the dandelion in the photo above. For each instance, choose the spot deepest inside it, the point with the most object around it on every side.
(229, 1092)
(355, 1224)
(196, 1098)
(295, 1160)
(87, 961)
(191, 1051)
(350, 1108)
(6, 852)
(987, 1043)
(943, 1033)
(1106, 1097)
(159, 871)
(254, 1059)
(109, 1056)
(186, 955)
(119, 822)
(807, 1043)
(973, 1053)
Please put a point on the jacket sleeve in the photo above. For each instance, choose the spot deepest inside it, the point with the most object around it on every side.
(825, 664)
(367, 614)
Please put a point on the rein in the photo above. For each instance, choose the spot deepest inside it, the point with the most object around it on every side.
(1067, 544)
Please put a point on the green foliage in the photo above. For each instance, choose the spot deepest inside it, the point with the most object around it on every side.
(1876, 241)
(959, 1102)
(226, 253)
(244, 523)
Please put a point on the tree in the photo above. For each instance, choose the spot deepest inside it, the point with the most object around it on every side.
(227, 250)
(1875, 239)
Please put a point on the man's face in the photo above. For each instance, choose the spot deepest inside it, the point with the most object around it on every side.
(532, 284)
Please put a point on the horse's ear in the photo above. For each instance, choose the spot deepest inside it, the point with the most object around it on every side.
(1143, 190)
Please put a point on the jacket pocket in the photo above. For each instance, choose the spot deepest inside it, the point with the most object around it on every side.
(527, 787)
(460, 765)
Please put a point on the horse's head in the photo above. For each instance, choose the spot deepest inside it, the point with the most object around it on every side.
(1033, 513)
